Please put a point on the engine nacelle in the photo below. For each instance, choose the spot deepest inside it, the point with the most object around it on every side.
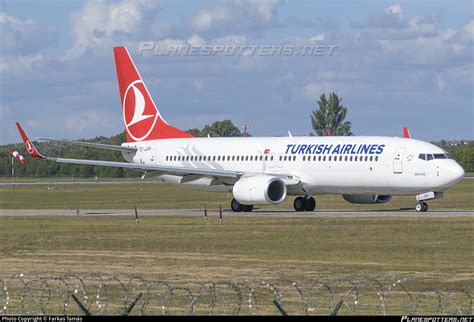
(367, 199)
(259, 189)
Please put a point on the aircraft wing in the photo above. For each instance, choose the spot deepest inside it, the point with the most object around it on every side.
(150, 167)
(136, 166)
(180, 171)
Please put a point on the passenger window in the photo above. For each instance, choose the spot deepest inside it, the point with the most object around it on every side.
(319, 158)
(294, 158)
(350, 158)
(366, 157)
(324, 158)
(271, 158)
(345, 159)
(370, 158)
(422, 156)
(329, 158)
(376, 158)
(314, 158)
(429, 157)
(266, 158)
(355, 158)
(340, 158)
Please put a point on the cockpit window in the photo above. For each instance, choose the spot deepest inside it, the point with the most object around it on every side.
(422, 156)
(448, 155)
(429, 157)
(440, 156)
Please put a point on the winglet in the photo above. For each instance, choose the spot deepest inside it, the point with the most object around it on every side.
(28, 144)
(406, 133)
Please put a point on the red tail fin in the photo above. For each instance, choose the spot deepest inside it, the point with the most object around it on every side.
(30, 148)
(406, 133)
(142, 119)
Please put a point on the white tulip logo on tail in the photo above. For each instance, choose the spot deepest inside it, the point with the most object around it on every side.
(139, 113)
(29, 147)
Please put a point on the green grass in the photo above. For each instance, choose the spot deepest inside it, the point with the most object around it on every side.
(430, 253)
(156, 195)
(183, 247)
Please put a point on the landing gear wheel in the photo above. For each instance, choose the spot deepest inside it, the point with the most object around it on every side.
(236, 206)
(247, 208)
(299, 204)
(421, 206)
(310, 204)
(425, 207)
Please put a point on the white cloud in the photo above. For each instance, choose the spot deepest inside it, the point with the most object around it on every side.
(236, 40)
(236, 15)
(261, 9)
(206, 19)
(396, 9)
(24, 37)
(383, 69)
(197, 41)
(319, 37)
(100, 24)
(393, 25)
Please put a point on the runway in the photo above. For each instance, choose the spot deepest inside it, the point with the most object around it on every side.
(227, 212)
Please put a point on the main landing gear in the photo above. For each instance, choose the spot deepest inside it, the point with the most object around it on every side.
(238, 207)
(304, 204)
(421, 206)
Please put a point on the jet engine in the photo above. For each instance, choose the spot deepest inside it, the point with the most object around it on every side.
(259, 189)
(367, 199)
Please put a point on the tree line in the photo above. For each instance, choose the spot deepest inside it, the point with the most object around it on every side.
(328, 119)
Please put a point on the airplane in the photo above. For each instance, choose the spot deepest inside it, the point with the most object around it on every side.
(266, 170)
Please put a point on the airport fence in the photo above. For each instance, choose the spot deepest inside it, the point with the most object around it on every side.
(132, 295)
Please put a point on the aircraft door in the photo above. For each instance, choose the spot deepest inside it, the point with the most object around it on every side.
(398, 160)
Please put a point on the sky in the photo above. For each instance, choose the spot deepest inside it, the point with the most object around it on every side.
(394, 63)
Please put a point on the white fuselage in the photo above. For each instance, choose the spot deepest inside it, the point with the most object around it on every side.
(331, 164)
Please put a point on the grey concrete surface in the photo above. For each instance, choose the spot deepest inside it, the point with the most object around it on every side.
(227, 212)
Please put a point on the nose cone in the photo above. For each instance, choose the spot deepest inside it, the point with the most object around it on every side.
(454, 173)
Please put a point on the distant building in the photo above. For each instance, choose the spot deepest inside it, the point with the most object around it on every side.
(452, 143)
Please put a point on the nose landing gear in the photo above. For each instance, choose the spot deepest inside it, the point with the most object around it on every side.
(421, 206)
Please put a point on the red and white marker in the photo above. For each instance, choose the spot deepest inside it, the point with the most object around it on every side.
(17, 155)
